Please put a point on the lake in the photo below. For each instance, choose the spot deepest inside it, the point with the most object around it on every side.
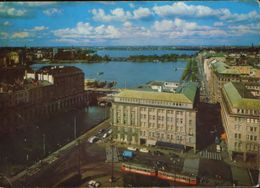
(129, 74)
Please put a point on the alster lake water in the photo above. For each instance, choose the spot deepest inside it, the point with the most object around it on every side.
(26, 147)
(129, 74)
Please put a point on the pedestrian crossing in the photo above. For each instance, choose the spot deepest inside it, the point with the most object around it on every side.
(210, 155)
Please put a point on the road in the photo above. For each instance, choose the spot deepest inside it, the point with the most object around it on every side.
(202, 78)
(55, 160)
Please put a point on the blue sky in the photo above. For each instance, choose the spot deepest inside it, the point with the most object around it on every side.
(129, 23)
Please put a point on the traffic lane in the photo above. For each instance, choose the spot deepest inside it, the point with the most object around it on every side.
(66, 161)
(85, 155)
(162, 161)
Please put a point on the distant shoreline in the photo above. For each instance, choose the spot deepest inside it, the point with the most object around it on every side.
(113, 60)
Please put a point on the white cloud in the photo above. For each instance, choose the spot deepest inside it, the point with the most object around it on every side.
(217, 24)
(52, 11)
(141, 13)
(253, 15)
(127, 24)
(35, 3)
(179, 28)
(117, 14)
(177, 24)
(182, 9)
(6, 11)
(238, 30)
(120, 14)
(86, 31)
(3, 35)
(131, 5)
(39, 28)
(20, 35)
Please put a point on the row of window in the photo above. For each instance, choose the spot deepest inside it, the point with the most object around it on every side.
(245, 111)
(252, 147)
(153, 102)
(238, 127)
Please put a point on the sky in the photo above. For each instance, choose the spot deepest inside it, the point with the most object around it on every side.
(112, 23)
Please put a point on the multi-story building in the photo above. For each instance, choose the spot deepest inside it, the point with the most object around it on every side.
(152, 117)
(40, 94)
(219, 73)
(240, 112)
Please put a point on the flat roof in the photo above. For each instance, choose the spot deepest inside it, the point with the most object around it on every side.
(186, 94)
(240, 97)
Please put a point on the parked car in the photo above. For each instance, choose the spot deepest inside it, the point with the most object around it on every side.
(109, 131)
(93, 183)
(131, 148)
(144, 150)
(105, 135)
(93, 139)
(218, 148)
(101, 131)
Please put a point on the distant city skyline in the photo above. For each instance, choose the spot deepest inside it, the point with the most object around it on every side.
(176, 23)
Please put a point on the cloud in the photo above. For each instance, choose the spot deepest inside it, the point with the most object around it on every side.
(141, 13)
(239, 30)
(39, 28)
(20, 35)
(182, 9)
(119, 14)
(217, 24)
(127, 24)
(6, 11)
(253, 15)
(177, 24)
(179, 28)
(87, 31)
(3, 35)
(131, 5)
(35, 4)
(52, 11)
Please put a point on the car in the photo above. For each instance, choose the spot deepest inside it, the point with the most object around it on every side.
(101, 131)
(105, 135)
(93, 139)
(93, 183)
(131, 148)
(109, 131)
(218, 148)
(144, 150)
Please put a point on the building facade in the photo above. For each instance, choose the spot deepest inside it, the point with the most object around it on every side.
(40, 95)
(240, 117)
(152, 117)
(219, 73)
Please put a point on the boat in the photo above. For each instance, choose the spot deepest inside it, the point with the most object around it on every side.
(177, 177)
(100, 73)
(138, 169)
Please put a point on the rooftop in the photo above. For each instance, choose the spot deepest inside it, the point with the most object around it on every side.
(58, 69)
(186, 94)
(240, 97)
